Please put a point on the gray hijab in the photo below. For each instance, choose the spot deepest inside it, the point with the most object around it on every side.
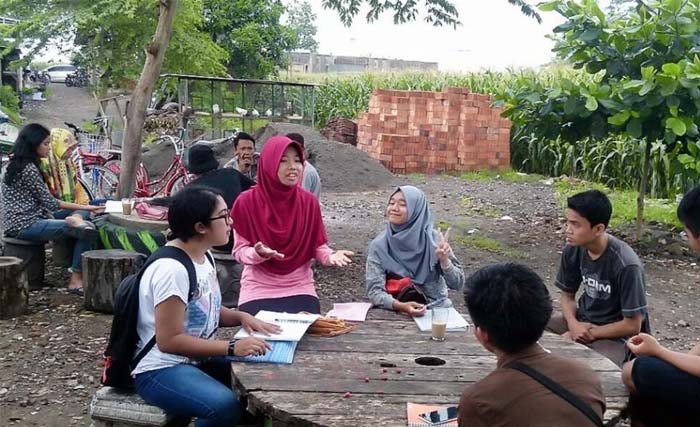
(409, 249)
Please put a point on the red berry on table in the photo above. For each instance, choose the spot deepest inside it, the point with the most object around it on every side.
(347, 394)
(366, 379)
(384, 370)
(398, 371)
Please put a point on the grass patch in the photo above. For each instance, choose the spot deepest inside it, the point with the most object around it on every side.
(490, 245)
(487, 211)
(506, 176)
(661, 211)
(416, 177)
(467, 202)
(48, 92)
(443, 225)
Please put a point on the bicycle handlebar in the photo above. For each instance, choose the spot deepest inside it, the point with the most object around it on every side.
(75, 128)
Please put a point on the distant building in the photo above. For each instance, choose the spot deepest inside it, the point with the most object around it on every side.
(304, 62)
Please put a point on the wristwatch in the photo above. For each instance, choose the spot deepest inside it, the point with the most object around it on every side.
(231, 346)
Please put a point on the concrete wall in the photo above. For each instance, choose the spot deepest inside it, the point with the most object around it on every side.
(302, 62)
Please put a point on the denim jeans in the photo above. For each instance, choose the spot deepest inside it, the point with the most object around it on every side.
(52, 229)
(202, 391)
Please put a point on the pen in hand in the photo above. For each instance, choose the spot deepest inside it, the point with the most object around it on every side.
(436, 302)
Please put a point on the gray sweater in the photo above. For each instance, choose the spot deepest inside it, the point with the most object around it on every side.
(375, 281)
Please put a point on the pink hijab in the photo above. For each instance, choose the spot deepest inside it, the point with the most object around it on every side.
(284, 218)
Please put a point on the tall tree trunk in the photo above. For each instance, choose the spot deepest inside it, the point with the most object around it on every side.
(136, 112)
(643, 188)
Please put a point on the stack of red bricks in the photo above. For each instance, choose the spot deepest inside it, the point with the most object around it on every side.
(428, 132)
(341, 130)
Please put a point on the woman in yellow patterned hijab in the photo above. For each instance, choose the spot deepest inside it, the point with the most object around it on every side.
(60, 171)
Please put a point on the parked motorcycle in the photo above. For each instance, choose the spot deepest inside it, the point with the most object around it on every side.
(77, 79)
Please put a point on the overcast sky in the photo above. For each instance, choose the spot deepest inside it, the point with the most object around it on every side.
(493, 35)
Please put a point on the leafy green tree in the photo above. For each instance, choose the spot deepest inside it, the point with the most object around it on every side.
(110, 36)
(252, 34)
(644, 78)
(301, 18)
(618, 8)
(438, 12)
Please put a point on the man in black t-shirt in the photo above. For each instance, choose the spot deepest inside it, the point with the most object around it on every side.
(612, 305)
(229, 182)
(665, 384)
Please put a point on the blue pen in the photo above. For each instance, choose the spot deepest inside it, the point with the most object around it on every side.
(436, 302)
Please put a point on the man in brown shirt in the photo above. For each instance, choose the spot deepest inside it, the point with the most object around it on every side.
(510, 307)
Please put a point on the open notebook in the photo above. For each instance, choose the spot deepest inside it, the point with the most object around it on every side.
(455, 321)
(293, 326)
(281, 352)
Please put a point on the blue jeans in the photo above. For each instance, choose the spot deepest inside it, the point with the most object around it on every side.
(202, 391)
(52, 229)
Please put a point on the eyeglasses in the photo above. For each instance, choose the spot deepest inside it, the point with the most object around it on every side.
(225, 216)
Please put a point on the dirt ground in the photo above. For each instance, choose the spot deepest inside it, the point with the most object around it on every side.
(50, 359)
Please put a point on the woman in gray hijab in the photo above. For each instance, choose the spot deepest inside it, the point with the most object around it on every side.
(411, 251)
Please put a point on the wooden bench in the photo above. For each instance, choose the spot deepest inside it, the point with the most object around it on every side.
(115, 408)
(33, 256)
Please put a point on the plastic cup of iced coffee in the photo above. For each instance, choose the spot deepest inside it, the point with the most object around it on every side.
(439, 323)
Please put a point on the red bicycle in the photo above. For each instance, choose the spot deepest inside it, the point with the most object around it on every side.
(106, 177)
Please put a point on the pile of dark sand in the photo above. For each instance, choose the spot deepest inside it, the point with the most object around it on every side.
(342, 167)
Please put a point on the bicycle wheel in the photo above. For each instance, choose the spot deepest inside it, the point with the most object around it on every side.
(101, 182)
(86, 187)
(177, 185)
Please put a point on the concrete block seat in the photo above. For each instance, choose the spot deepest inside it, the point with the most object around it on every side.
(111, 407)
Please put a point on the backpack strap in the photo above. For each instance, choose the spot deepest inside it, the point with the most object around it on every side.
(557, 389)
(181, 256)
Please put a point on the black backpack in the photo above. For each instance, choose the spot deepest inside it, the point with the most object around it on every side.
(119, 358)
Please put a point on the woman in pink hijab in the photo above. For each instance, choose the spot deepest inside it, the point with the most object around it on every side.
(278, 231)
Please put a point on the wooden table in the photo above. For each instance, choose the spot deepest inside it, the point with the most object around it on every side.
(135, 222)
(310, 391)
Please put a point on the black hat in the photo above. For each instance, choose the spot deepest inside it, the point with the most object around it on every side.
(201, 159)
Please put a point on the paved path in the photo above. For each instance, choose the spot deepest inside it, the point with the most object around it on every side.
(66, 104)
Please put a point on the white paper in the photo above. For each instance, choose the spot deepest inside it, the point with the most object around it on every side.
(455, 321)
(293, 326)
(112, 206)
(352, 311)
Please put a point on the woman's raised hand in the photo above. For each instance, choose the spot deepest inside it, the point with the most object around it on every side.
(443, 249)
(341, 258)
(266, 252)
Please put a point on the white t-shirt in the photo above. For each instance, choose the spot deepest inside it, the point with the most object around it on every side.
(163, 279)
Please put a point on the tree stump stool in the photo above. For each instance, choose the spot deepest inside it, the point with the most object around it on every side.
(33, 256)
(228, 271)
(14, 292)
(103, 271)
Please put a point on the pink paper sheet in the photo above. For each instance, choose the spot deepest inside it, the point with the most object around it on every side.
(352, 311)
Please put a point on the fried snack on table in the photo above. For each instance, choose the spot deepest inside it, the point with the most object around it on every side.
(329, 327)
